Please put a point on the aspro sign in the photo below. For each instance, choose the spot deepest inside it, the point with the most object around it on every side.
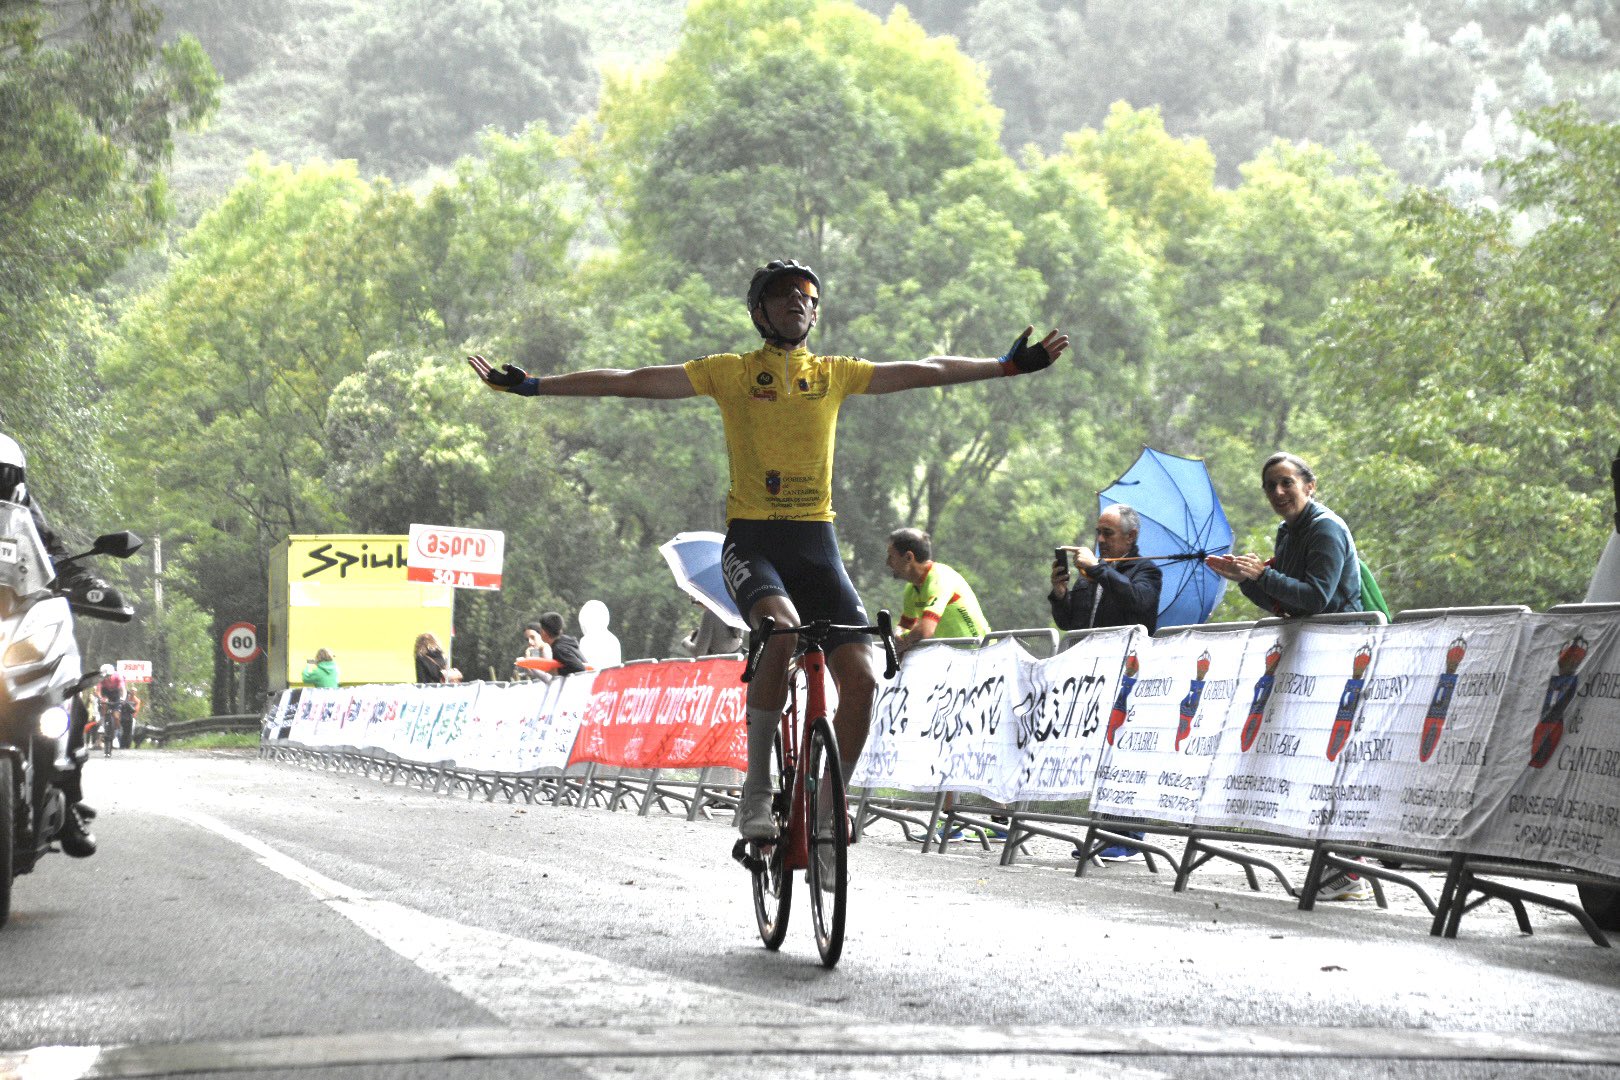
(463, 558)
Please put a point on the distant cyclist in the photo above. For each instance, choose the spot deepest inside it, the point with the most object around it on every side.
(113, 694)
(779, 407)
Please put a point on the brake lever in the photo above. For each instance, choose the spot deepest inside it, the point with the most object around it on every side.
(756, 646)
(886, 632)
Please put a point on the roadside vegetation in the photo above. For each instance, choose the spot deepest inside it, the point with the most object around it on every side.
(1377, 237)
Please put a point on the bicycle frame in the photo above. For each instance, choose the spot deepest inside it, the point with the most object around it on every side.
(814, 791)
(795, 736)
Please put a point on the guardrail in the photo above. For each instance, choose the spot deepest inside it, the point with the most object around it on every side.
(245, 723)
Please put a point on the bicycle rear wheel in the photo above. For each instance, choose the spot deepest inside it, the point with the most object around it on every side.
(828, 874)
(773, 882)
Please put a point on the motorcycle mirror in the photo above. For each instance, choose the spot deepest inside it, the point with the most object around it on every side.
(120, 545)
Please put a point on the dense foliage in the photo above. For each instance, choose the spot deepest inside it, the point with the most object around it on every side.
(290, 361)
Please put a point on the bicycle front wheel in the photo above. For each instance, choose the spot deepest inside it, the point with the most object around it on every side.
(828, 873)
(773, 881)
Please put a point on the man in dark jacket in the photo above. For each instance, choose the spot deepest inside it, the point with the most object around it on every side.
(564, 649)
(1108, 594)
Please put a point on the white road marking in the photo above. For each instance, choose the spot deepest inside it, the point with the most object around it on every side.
(520, 981)
(565, 1004)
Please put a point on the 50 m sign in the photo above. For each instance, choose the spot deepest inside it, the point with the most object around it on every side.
(463, 558)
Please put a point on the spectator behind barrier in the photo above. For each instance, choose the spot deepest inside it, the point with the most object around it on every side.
(1123, 593)
(431, 664)
(564, 648)
(936, 600)
(321, 671)
(1315, 570)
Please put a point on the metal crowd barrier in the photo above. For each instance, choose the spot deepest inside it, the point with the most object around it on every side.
(1469, 881)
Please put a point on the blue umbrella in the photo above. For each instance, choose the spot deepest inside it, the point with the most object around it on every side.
(1182, 522)
(694, 558)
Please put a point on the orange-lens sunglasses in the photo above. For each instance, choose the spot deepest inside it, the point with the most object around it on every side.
(781, 286)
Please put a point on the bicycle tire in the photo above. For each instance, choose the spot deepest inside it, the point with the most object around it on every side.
(773, 884)
(829, 841)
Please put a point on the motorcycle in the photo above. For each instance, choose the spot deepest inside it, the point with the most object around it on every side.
(41, 682)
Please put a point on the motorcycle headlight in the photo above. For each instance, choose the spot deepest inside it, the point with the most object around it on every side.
(33, 646)
(53, 722)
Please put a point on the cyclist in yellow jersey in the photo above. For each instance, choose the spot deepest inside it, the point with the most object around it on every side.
(779, 405)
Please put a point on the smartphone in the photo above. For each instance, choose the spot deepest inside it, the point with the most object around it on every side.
(1060, 559)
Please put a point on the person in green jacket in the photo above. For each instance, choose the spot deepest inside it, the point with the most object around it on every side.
(937, 601)
(321, 671)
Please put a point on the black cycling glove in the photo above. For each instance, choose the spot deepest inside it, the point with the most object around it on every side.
(513, 380)
(1024, 358)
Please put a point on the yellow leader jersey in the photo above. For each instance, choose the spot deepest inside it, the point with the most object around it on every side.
(780, 412)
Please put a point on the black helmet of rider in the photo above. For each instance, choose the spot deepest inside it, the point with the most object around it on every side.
(13, 467)
(774, 269)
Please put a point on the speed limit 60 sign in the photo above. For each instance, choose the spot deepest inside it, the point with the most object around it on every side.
(241, 642)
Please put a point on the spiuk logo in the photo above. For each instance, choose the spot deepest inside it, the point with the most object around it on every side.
(773, 482)
(1560, 692)
(1434, 720)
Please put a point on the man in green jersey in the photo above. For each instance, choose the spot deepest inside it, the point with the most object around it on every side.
(937, 601)
(779, 409)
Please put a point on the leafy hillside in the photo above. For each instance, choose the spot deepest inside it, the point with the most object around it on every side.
(286, 362)
(403, 85)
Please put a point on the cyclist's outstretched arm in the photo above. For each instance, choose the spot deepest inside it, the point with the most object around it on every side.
(1021, 359)
(663, 381)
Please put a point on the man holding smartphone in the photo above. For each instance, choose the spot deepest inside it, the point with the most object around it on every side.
(1122, 593)
(1108, 593)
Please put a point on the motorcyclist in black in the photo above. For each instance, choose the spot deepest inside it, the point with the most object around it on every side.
(83, 590)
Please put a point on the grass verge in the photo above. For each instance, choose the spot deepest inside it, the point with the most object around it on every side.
(219, 740)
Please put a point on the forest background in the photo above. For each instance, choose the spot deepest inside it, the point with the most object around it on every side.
(244, 245)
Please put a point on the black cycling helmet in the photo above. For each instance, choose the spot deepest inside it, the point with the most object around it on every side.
(771, 271)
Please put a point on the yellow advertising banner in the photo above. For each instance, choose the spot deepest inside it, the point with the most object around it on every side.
(348, 594)
(360, 560)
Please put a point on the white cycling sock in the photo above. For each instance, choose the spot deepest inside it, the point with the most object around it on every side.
(761, 740)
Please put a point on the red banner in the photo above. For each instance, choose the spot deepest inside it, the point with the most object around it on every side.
(666, 715)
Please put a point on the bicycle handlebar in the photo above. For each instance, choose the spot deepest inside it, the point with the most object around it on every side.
(814, 632)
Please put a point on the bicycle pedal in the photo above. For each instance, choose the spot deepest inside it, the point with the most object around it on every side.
(753, 863)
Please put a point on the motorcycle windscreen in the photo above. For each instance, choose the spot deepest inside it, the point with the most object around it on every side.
(25, 565)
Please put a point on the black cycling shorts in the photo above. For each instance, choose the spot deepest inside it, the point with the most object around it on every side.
(798, 560)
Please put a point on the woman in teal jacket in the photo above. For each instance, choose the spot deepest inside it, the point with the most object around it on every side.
(322, 671)
(1315, 570)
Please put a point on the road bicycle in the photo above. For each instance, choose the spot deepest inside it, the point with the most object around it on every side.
(814, 793)
(108, 731)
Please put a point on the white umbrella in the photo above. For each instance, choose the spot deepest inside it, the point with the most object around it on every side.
(694, 558)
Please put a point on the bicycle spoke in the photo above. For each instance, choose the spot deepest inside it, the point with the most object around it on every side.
(828, 873)
(773, 883)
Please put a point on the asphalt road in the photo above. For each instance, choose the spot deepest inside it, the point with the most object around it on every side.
(245, 918)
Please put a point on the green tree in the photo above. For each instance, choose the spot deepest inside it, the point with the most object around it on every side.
(89, 103)
(1472, 396)
(426, 77)
(771, 123)
(1290, 241)
(227, 368)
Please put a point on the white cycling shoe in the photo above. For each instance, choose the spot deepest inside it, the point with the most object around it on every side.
(754, 818)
